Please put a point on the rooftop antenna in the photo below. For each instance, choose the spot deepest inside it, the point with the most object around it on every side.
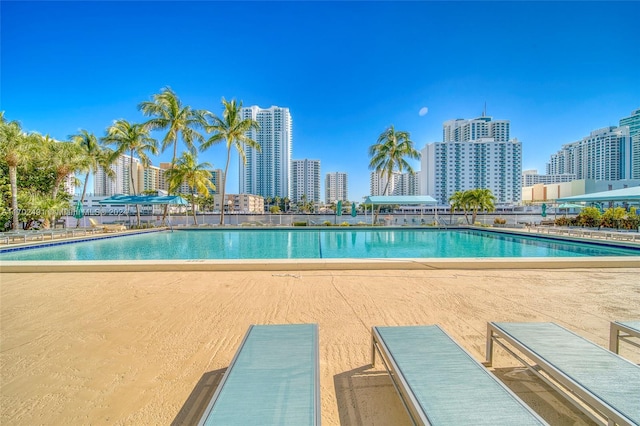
(484, 111)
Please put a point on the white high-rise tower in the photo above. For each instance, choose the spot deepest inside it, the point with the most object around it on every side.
(268, 172)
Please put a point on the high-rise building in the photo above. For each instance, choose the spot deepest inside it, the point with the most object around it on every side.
(603, 155)
(103, 185)
(463, 130)
(475, 154)
(336, 187)
(400, 184)
(268, 172)
(633, 122)
(305, 180)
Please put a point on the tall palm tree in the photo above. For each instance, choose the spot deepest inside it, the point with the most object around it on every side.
(168, 113)
(95, 156)
(180, 121)
(134, 140)
(390, 154)
(232, 129)
(195, 175)
(14, 150)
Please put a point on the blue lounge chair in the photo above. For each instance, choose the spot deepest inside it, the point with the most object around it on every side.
(584, 372)
(442, 384)
(623, 331)
(272, 380)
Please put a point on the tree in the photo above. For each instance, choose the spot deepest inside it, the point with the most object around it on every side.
(95, 157)
(195, 175)
(459, 201)
(232, 129)
(480, 200)
(64, 158)
(390, 154)
(133, 139)
(169, 114)
(14, 149)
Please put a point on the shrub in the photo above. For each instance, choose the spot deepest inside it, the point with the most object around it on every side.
(345, 224)
(590, 217)
(499, 221)
(299, 223)
(326, 223)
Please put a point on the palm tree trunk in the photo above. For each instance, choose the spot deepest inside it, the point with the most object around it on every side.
(13, 179)
(133, 188)
(84, 191)
(224, 182)
(193, 206)
(386, 187)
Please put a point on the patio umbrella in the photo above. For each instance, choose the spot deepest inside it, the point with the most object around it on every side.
(570, 206)
(339, 209)
(79, 213)
(354, 212)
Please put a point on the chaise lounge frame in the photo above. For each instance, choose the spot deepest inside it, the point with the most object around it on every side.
(623, 331)
(586, 400)
(504, 405)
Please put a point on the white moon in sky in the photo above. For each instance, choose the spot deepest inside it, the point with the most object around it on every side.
(423, 111)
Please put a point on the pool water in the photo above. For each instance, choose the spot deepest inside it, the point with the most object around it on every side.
(314, 244)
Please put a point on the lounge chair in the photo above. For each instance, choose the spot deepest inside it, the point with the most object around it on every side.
(588, 375)
(272, 380)
(623, 331)
(107, 227)
(439, 382)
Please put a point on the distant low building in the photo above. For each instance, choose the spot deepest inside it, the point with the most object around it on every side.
(551, 192)
(239, 203)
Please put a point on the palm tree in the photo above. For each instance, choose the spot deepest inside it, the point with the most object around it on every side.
(232, 129)
(459, 201)
(64, 159)
(14, 150)
(169, 114)
(389, 154)
(133, 139)
(95, 156)
(481, 200)
(195, 175)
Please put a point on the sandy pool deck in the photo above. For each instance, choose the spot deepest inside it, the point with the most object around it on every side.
(126, 348)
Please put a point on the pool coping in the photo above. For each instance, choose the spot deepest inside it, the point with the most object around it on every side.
(320, 264)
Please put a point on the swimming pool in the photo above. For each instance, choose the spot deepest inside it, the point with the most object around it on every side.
(245, 244)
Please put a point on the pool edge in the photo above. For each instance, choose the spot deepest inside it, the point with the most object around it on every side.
(320, 264)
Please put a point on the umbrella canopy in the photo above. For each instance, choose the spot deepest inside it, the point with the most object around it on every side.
(570, 206)
(339, 209)
(354, 212)
(79, 213)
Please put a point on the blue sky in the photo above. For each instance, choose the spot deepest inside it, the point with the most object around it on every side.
(346, 70)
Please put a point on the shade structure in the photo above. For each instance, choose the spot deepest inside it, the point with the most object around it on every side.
(339, 209)
(145, 200)
(400, 199)
(354, 212)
